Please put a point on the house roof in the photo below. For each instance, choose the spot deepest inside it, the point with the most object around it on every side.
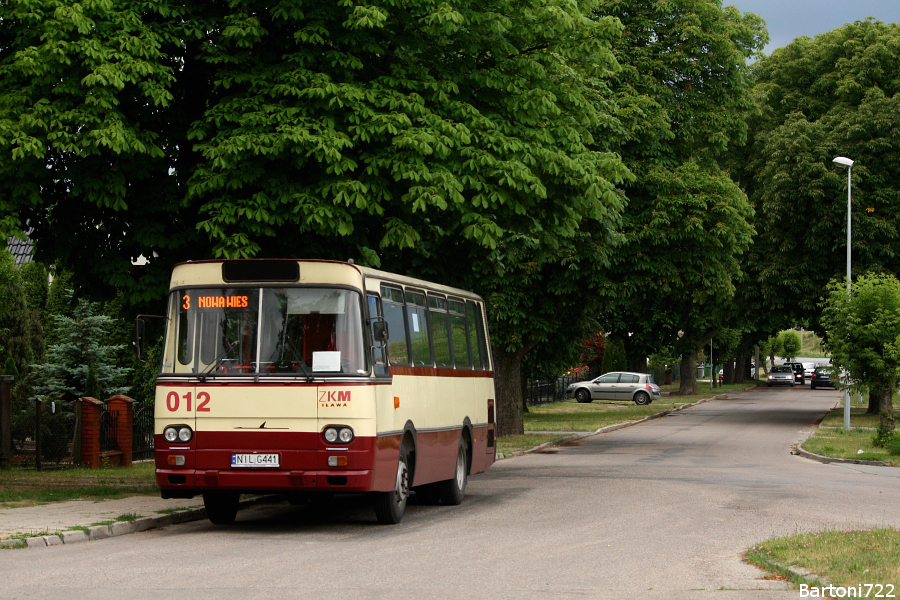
(20, 249)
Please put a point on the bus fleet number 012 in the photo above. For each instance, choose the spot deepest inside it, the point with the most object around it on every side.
(173, 401)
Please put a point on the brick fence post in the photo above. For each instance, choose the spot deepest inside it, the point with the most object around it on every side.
(123, 408)
(90, 432)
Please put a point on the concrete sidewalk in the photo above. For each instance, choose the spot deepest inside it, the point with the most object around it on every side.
(52, 524)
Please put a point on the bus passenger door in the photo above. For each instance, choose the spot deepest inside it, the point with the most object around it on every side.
(379, 352)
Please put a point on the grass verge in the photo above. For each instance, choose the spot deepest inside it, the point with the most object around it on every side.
(831, 440)
(28, 488)
(845, 558)
(555, 421)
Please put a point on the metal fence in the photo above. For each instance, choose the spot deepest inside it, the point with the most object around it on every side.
(544, 391)
(142, 434)
(108, 430)
(44, 435)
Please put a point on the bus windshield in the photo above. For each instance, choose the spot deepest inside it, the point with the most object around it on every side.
(266, 331)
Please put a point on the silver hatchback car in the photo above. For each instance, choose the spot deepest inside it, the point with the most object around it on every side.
(637, 387)
(781, 375)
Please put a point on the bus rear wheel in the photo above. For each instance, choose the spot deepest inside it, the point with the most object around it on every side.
(390, 506)
(452, 491)
(221, 507)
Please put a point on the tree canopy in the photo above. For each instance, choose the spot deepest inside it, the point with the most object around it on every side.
(683, 97)
(416, 135)
(835, 95)
(864, 335)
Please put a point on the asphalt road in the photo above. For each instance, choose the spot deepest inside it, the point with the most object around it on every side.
(664, 509)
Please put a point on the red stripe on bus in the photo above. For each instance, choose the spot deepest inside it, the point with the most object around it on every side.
(432, 372)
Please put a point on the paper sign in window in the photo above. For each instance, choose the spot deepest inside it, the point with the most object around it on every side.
(415, 322)
(326, 361)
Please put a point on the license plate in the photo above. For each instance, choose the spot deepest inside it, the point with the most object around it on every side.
(255, 460)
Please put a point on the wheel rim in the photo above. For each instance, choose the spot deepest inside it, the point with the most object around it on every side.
(401, 487)
(460, 469)
(582, 395)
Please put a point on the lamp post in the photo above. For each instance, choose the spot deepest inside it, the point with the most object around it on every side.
(843, 161)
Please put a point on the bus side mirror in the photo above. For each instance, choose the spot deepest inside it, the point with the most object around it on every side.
(140, 335)
(380, 331)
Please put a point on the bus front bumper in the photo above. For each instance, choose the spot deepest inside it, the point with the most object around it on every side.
(186, 483)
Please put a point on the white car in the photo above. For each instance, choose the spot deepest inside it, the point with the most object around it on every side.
(808, 370)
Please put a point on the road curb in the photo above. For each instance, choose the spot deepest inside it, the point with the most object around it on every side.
(608, 428)
(799, 451)
(102, 532)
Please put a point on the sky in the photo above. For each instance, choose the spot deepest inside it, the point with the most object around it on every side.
(790, 19)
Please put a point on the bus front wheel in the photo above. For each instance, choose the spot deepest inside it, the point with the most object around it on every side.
(390, 506)
(221, 507)
(452, 491)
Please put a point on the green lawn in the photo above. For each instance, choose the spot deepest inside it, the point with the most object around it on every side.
(846, 558)
(20, 487)
(831, 440)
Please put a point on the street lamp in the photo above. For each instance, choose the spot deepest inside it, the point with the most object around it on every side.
(843, 161)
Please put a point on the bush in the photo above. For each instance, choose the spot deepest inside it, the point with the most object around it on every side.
(893, 446)
(887, 438)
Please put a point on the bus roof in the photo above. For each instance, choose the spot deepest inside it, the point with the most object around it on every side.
(208, 272)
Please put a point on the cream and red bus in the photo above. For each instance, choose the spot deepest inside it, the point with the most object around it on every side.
(313, 377)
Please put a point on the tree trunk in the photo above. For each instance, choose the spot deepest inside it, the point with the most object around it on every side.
(508, 389)
(887, 408)
(874, 402)
(741, 367)
(637, 364)
(728, 372)
(524, 383)
(688, 383)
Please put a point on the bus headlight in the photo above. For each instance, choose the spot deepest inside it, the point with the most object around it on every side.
(343, 435)
(178, 433)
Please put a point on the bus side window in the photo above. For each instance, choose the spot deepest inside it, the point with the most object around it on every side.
(440, 332)
(377, 346)
(392, 303)
(417, 320)
(477, 341)
(458, 336)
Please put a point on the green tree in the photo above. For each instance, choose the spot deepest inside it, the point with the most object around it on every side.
(773, 347)
(95, 102)
(21, 342)
(864, 336)
(790, 343)
(36, 281)
(683, 96)
(614, 356)
(835, 95)
(81, 351)
(427, 137)
(59, 303)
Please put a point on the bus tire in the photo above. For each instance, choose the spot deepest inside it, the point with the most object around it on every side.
(390, 506)
(452, 491)
(221, 507)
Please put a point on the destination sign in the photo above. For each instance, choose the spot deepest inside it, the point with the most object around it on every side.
(188, 303)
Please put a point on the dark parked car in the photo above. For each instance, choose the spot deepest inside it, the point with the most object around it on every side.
(821, 377)
(799, 371)
(781, 375)
(637, 387)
